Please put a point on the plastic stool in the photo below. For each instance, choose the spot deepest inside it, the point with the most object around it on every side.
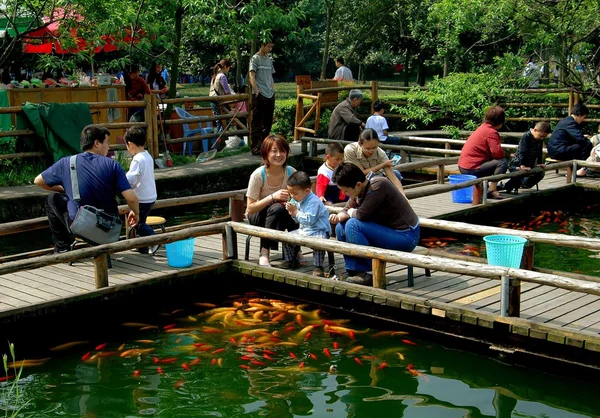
(153, 222)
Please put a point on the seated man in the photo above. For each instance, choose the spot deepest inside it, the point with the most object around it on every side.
(377, 214)
(99, 178)
(567, 141)
(344, 123)
(528, 156)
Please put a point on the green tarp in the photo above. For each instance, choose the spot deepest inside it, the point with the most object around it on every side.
(5, 122)
(58, 124)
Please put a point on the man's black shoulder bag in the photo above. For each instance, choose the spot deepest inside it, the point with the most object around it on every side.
(91, 224)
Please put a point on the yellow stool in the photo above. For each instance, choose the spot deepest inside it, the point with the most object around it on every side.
(153, 222)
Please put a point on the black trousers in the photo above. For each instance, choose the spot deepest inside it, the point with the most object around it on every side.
(574, 152)
(262, 121)
(58, 217)
(273, 217)
(351, 133)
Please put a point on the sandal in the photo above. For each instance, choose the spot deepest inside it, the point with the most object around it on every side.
(495, 195)
(264, 261)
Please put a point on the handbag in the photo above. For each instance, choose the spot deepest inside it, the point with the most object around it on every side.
(92, 224)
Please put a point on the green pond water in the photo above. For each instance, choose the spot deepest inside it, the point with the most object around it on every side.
(584, 222)
(259, 359)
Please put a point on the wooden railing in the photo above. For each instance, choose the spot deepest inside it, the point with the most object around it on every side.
(100, 252)
(511, 278)
(151, 116)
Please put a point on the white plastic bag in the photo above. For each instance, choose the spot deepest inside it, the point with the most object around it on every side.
(233, 142)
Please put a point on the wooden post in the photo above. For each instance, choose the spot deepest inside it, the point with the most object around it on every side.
(101, 271)
(440, 174)
(318, 114)
(312, 152)
(374, 94)
(447, 145)
(573, 173)
(299, 112)
(379, 281)
(403, 156)
(149, 116)
(154, 151)
(484, 192)
(571, 100)
(230, 248)
(236, 208)
(304, 147)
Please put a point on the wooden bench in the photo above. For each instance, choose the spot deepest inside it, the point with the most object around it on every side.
(569, 168)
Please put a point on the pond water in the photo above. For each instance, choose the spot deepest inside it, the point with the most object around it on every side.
(257, 356)
(584, 222)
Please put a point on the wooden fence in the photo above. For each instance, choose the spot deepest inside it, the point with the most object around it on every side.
(151, 124)
(375, 88)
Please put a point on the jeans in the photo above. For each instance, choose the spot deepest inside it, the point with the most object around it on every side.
(273, 217)
(216, 112)
(577, 151)
(373, 234)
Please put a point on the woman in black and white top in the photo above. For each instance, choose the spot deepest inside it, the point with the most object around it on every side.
(219, 87)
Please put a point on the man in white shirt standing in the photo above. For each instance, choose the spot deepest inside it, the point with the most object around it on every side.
(342, 73)
(263, 102)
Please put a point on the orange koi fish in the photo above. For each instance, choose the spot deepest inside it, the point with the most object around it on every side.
(185, 366)
(299, 320)
(121, 347)
(312, 356)
(168, 360)
(196, 361)
(86, 356)
(301, 365)
(249, 332)
(167, 327)
(307, 337)
(68, 345)
(326, 352)
(178, 330)
(101, 346)
(292, 355)
(245, 358)
(211, 330)
(27, 363)
(213, 361)
(143, 341)
(306, 330)
(205, 348)
(355, 349)
(289, 329)
(400, 356)
(148, 327)
(258, 363)
(233, 340)
(409, 342)
(336, 345)
(136, 351)
(104, 354)
(6, 378)
(155, 360)
(136, 373)
(220, 362)
(382, 366)
(357, 360)
(218, 350)
(178, 384)
(205, 305)
(159, 370)
(369, 357)
(243, 366)
(176, 311)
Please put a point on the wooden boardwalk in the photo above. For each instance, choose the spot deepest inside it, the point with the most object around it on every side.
(542, 304)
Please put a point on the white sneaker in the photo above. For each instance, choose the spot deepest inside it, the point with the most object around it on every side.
(264, 261)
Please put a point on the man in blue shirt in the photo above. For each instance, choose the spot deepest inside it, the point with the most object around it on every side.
(100, 179)
(567, 141)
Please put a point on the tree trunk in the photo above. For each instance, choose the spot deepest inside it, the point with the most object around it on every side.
(329, 7)
(446, 65)
(421, 70)
(406, 67)
(177, 50)
(238, 67)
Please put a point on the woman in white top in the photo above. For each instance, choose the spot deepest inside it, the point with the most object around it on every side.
(267, 193)
(219, 87)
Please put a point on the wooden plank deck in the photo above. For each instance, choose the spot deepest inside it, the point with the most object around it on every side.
(543, 304)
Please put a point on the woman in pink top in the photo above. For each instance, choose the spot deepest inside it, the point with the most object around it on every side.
(482, 155)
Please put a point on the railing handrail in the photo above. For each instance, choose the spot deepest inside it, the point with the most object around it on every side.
(60, 258)
(417, 260)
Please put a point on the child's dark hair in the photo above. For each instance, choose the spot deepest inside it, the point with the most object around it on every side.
(299, 178)
(378, 105)
(136, 135)
(333, 149)
(348, 174)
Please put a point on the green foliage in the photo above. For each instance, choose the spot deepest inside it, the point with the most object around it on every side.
(18, 172)
(10, 396)
(462, 97)
(284, 118)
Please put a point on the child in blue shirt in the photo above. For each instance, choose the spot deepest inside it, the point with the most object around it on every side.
(308, 210)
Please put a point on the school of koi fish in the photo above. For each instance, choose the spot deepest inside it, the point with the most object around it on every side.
(253, 333)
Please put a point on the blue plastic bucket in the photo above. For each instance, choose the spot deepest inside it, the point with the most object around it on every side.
(462, 195)
(504, 250)
(180, 253)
